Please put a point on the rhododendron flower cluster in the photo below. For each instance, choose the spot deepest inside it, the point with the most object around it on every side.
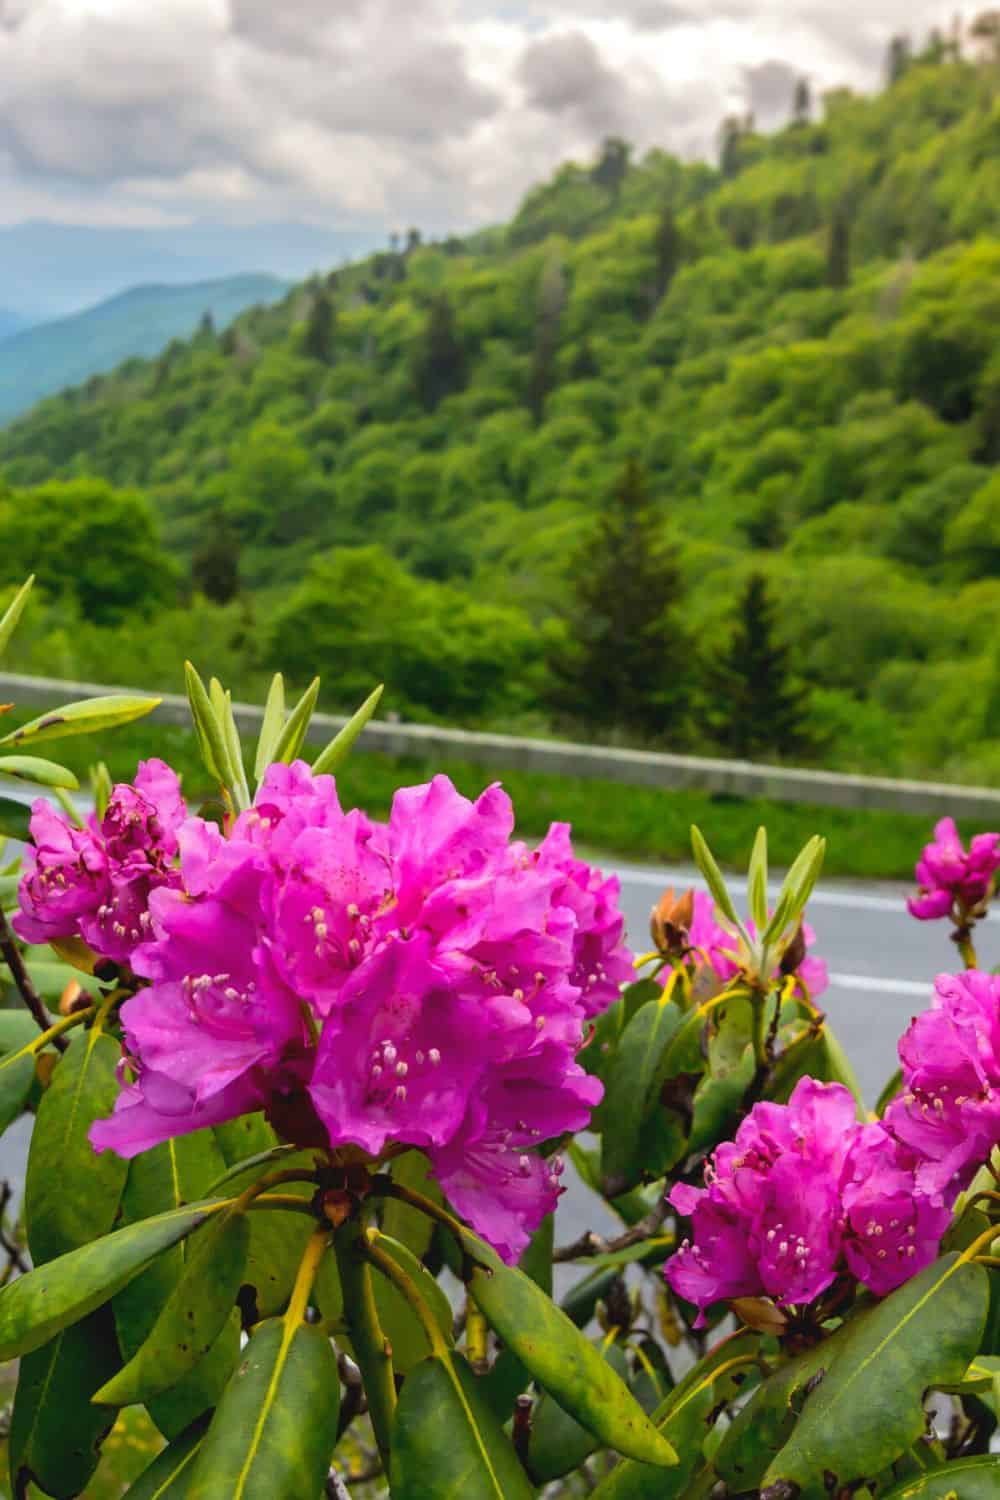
(800, 1195)
(96, 881)
(420, 984)
(718, 947)
(954, 881)
(948, 1112)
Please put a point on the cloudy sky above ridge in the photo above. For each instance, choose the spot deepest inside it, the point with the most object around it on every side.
(388, 112)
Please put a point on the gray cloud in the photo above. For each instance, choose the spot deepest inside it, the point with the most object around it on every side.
(770, 91)
(565, 75)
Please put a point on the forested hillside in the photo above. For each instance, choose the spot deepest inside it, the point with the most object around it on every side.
(785, 368)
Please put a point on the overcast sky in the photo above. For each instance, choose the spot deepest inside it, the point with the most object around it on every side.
(387, 112)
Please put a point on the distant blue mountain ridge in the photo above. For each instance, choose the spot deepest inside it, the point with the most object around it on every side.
(44, 358)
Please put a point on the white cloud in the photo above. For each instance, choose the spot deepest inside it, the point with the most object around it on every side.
(439, 112)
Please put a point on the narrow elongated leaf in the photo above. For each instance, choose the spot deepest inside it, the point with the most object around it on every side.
(85, 717)
(71, 1194)
(191, 1319)
(447, 1444)
(272, 725)
(561, 1360)
(234, 749)
(169, 1475)
(14, 611)
(35, 1307)
(208, 730)
(339, 748)
(17, 1075)
(292, 737)
(56, 1433)
(15, 819)
(757, 880)
(397, 1319)
(632, 1096)
(705, 861)
(967, 1479)
(41, 772)
(273, 1431)
(558, 1444)
(177, 1172)
(923, 1335)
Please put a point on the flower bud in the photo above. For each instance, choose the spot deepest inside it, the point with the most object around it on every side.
(794, 953)
(670, 920)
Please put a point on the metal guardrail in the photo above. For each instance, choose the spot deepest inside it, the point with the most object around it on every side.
(650, 768)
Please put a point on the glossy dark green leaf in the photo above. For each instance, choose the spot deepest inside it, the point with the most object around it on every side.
(632, 1097)
(447, 1444)
(193, 1316)
(923, 1335)
(36, 1306)
(560, 1359)
(682, 1416)
(71, 1193)
(396, 1318)
(15, 819)
(339, 748)
(56, 1433)
(178, 1172)
(169, 1475)
(40, 772)
(273, 1432)
(967, 1479)
(558, 1444)
(85, 717)
(763, 1424)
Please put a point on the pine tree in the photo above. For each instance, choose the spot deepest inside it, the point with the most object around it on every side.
(802, 105)
(668, 251)
(753, 708)
(611, 166)
(838, 250)
(439, 365)
(624, 663)
(318, 340)
(898, 58)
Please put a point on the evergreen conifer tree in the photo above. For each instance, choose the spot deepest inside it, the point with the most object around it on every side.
(551, 301)
(318, 340)
(624, 663)
(802, 103)
(838, 249)
(752, 706)
(439, 365)
(668, 251)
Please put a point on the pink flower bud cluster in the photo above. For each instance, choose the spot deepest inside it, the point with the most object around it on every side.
(954, 881)
(803, 1194)
(95, 882)
(717, 947)
(422, 984)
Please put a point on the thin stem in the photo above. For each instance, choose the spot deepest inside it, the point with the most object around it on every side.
(22, 979)
(967, 950)
(306, 1275)
(283, 1201)
(590, 1243)
(476, 1338)
(372, 1350)
(406, 1288)
(54, 1033)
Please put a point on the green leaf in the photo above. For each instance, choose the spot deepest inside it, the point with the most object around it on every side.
(35, 1307)
(761, 1426)
(705, 861)
(207, 728)
(273, 1432)
(967, 1479)
(339, 748)
(561, 1360)
(55, 1431)
(682, 1418)
(757, 880)
(17, 1074)
(41, 772)
(14, 611)
(191, 1319)
(15, 818)
(889, 1093)
(447, 1444)
(86, 717)
(397, 1319)
(292, 737)
(923, 1335)
(17, 1030)
(222, 702)
(177, 1172)
(169, 1475)
(796, 888)
(558, 1444)
(633, 1096)
(71, 1194)
(272, 725)
(401, 1222)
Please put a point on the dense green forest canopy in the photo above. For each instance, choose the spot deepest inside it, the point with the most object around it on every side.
(799, 350)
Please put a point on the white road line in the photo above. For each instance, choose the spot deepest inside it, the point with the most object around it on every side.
(878, 986)
(820, 897)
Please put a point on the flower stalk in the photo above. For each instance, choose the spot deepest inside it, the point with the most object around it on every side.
(372, 1349)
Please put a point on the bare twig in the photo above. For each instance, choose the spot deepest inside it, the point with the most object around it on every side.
(590, 1244)
(13, 1251)
(12, 957)
(353, 1398)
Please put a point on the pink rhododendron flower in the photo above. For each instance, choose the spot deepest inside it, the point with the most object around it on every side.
(95, 882)
(951, 880)
(420, 984)
(717, 947)
(948, 1112)
(802, 1192)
